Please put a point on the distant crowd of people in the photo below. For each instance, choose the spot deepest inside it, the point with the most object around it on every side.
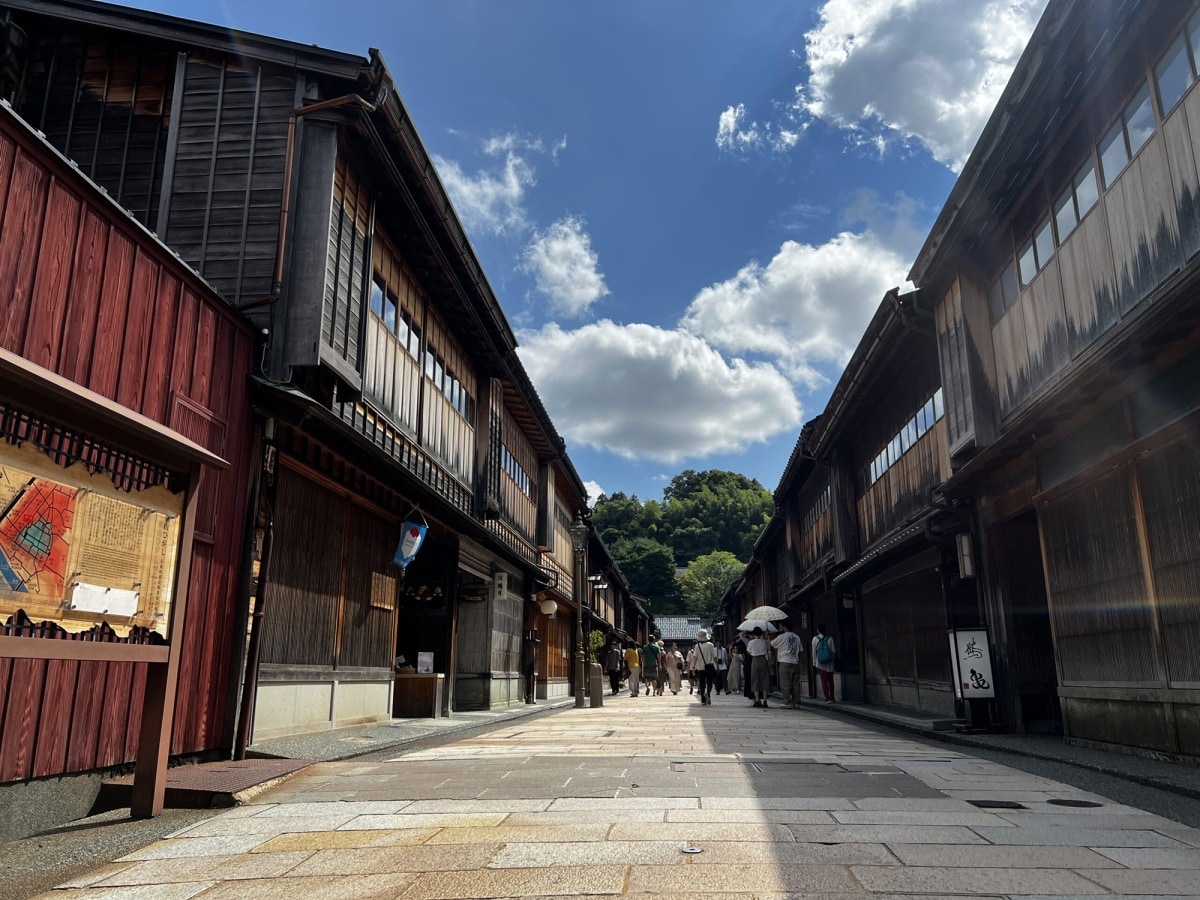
(741, 666)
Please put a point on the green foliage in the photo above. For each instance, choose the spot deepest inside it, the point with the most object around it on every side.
(706, 580)
(701, 512)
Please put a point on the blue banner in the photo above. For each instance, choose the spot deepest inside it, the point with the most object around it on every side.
(412, 536)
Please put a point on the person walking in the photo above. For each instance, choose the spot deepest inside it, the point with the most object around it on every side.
(691, 668)
(788, 648)
(760, 676)
(633, 662)
(650, 654)
(823, 650)
(612, 663)
(672, 662)
(722, 668)
(706, 665)
(734, 682)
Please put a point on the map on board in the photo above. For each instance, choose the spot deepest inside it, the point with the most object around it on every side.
(36, 517)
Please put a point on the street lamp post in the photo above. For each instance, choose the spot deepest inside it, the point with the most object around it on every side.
(579, 534)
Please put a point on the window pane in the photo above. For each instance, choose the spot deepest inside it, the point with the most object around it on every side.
(1173, 76)
(1064, 214)
(1112, 154)
(1193, 33)
(1086, 192)
(402, 329)
(929, 415)
(389, 311)
(1043, 239)
(1027, 264)
(377, 298)
(1008, 283)
(414, 341)
(996, 301)
(937, 404)
(1139, 120)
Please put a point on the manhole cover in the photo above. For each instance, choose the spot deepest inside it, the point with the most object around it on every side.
(1077, 804)
(997, 804)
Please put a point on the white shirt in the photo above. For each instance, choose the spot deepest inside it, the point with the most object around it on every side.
(758, 646)
(788, 644)
(826, 667)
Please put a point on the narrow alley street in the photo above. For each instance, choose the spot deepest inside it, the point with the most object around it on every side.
(666, 797)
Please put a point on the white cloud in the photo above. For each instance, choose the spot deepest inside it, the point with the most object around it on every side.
(646, 392)
(489, 201)
(594, 491)
(736, 135)
(810, 303)
(925, 71)
(564, 266)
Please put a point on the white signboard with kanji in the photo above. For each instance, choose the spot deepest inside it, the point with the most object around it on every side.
(972, 665)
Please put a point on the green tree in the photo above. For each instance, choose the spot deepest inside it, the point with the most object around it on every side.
(714, 510)
(648, 565)
(706, 580)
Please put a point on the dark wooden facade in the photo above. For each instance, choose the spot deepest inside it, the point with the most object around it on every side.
(1067, 331)
(94, 297)
(294, 181)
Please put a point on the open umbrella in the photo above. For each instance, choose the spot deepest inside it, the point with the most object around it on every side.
(765, 613)
(751, 624)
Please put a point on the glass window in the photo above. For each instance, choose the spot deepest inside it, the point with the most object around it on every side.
(1113, 155)
(377, 298)
(996, 301)
(389, 311)
(414, 341)
(402, 329)
(1193, 34)
(1064, 214)
(1173, 76)
(1008, 283)
(1086, 192)
(1027, 263)
(1043, 239)
(1139, 120)
(937, 405)
(930, 418)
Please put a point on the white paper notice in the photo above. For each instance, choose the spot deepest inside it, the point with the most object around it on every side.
(95, 598)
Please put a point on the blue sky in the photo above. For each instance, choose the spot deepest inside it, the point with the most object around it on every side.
(689, 209)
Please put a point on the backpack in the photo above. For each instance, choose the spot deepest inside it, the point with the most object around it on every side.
(824, 654)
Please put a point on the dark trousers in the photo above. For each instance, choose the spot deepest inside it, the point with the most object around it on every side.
(706, 682)
(722, 681)
(614, 679)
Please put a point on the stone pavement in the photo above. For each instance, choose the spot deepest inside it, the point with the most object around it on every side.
(663, 796)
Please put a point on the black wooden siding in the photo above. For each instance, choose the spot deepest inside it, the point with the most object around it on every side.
(106, 106)
(226, 184)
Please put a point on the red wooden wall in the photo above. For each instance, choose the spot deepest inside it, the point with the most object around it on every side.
(87, 293)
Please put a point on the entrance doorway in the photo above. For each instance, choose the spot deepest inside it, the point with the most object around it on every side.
(1033, 676)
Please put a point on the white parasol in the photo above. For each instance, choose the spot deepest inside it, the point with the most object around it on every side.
(751, 624)
(765, 613)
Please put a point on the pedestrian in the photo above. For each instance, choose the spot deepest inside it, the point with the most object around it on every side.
(650, 654)
(788, 648)
(672, 662)
(823, 655)
(760, 674)
(722, 668)
(706, 666)
(691, 668)
(633, 661)
(734, 683)
(613, 661)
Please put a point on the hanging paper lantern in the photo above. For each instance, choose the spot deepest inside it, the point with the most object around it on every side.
(548, 607)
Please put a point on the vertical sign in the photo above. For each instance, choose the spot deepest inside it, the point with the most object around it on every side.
(972, 664)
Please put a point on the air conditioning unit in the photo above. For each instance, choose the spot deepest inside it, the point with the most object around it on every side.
(500, 580)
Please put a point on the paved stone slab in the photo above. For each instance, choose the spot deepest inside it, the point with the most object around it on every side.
(983, 856)
(422, 820)
(209, 868)
(931, 880)
(352, 887)
(337, 840)
(522, 834)
(563, 881)
(1146, 881)
(629, 853)
(918, 817)
(269, 827)
(747, 879)
(379, 860)
(757, 816)
(703, 831)
(1146, 858)
(886, 834)
(181, 891)
(336, 808)
(1058, 836)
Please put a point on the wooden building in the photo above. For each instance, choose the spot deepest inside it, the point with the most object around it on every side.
(1062, 275)
(92, 298)
(388, 388)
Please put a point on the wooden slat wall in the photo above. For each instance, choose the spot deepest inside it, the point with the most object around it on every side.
(227, 179)
(517, 507)
(901, 490)
(1012, 357)
(369, 624)
(955, 364)
(1181, 141)
(392, 368)
(93, 298)
(555, 635)
(1170, 493)
(446, 432)
(105, 106)
(1096, 586)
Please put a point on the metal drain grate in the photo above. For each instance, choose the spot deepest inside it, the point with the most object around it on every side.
(997, 804)
(1075, 804)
